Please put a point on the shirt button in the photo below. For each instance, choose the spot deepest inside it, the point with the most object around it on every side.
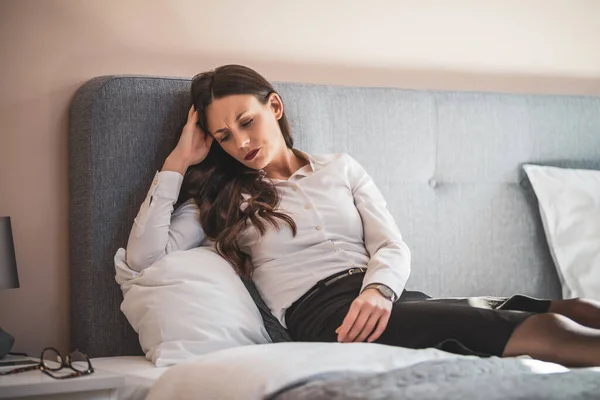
(294, 188)
(307, 207)
(318, 227)
(351, 263)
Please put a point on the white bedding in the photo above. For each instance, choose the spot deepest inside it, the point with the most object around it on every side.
(253, 372)
(140, 374)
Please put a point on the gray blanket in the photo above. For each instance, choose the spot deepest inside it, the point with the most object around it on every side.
(465, 379)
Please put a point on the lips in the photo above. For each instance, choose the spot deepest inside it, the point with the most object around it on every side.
(252, 154)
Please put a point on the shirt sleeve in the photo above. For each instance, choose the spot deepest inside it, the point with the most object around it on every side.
(157, 229)
(390, 257)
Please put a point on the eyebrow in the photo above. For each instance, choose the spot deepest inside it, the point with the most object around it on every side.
(236, 119)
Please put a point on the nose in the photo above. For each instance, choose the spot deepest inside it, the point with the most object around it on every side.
(242, 141)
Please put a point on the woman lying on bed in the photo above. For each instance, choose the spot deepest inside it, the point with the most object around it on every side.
(314, 233)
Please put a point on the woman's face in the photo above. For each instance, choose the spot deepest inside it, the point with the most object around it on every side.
(241, 124)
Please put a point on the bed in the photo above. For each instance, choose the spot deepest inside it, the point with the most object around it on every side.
(449, 165)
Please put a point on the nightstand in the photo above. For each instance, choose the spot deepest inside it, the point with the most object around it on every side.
(35, 385)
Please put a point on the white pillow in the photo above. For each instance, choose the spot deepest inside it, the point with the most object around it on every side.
(569, 201)
(189, 303)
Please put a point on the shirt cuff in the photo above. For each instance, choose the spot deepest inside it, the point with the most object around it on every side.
(388, 278)
(166, 185)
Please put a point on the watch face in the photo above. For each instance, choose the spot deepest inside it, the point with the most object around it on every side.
(386, 291)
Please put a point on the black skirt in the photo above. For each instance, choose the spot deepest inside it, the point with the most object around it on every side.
(478, 326)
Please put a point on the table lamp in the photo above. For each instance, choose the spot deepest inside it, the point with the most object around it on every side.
(8, 275)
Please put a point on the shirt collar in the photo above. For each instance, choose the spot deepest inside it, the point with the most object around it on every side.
(313, 165)
(312, 162)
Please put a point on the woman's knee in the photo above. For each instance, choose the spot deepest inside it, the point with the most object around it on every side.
(541, 325)
(581, 305)
(551, 319)
(539, 332)
(574, 306)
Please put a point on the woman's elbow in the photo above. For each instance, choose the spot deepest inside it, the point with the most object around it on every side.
(133, 261)
(139, 261)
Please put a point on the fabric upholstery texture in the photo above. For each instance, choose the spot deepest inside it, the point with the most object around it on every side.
(448, 163)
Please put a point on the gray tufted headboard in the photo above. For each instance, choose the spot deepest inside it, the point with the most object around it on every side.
(449, 165)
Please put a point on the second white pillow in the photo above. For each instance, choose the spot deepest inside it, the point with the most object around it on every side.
(189, 303)
(569, 201)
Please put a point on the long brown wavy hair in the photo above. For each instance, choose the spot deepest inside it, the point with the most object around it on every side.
(217, 183)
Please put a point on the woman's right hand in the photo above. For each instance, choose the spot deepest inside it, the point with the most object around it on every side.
(192, 148)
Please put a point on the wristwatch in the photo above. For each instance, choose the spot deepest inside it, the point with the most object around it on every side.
(384, 290)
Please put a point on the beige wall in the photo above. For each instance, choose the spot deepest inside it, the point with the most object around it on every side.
(49, 48)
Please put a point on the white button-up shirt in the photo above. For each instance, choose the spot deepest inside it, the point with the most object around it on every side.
(341, 218)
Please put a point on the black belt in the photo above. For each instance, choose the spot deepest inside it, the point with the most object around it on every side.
(323, 282)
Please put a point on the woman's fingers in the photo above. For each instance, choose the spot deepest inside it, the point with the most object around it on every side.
(193, 116)
(369, 325)
(208, 139)
(370, 310)
(381, 325)
(194, 119)
(348, 321)
(359, 324)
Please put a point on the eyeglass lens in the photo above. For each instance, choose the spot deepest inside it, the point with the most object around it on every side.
(52, 360)
(79, 361)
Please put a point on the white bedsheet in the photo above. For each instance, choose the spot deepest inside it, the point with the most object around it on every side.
(252, 372)
(140, 374)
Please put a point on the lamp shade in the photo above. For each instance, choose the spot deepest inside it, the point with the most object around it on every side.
(8, 262)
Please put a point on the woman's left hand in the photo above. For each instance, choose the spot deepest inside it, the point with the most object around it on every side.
(368, 315)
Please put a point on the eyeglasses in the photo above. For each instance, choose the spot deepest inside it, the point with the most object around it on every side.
(51, 362)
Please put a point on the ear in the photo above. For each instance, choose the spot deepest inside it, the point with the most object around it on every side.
(276, 105)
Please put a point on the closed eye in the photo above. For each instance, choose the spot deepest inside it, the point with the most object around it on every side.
(247, 123)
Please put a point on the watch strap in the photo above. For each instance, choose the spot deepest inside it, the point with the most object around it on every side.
(377, 286)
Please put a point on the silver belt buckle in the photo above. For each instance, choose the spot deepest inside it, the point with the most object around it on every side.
(353, 270)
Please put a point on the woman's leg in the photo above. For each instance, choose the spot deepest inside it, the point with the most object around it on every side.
(583, 311)
(555, 338)
(431, 323)
(547, 336)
